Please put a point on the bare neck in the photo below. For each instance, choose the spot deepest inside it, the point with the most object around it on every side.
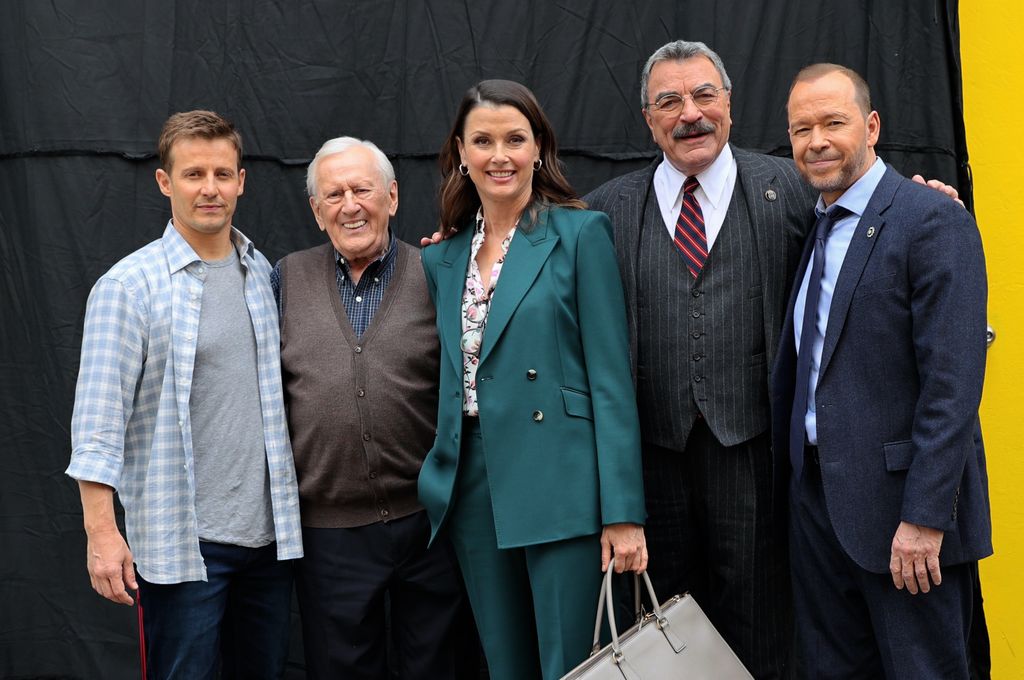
(499, 218)
(209, 247)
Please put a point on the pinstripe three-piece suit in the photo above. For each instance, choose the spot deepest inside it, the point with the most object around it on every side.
(701, 351)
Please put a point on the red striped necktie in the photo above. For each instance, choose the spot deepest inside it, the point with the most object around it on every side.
(690, 237)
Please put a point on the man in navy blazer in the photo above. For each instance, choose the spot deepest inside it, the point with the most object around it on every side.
(875, 395)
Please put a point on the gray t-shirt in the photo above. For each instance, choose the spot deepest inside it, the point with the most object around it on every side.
(232, 480)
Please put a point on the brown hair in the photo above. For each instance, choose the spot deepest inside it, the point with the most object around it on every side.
(458, 197)
(861, 91)
(203, 124)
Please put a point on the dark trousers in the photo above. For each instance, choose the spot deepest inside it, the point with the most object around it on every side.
(534, 606)
(341, 583)
(711, 531)
(237, 620)
(852, 623)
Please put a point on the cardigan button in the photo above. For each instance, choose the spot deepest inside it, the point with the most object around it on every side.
(538, 416)
(531, 374)
(366, 436)
(359, 349)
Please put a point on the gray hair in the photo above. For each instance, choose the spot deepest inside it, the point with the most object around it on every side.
(681, 50)
(340, 145)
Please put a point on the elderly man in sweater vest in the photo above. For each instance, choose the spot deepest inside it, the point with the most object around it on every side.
(359, 356)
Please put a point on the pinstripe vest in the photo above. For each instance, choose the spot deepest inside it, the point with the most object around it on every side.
(700, 342)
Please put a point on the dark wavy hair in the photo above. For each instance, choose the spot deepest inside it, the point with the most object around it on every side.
(458, 196)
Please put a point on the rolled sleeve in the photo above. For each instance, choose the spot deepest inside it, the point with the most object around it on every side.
(111, 363)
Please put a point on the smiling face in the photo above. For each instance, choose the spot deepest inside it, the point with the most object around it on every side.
(833, 138)
(203, 181)
(354, 205)
(499, 148)
(691, 138)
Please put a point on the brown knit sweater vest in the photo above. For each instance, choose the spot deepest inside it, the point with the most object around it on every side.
(362, 412)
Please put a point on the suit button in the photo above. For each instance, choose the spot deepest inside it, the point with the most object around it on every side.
(531, 374)
(373, 475)
(695, 314)
(696, 293)
(696, 357)
(538, 416)
(359, 349)
(366, 436)
(361, 393)
(698, 378)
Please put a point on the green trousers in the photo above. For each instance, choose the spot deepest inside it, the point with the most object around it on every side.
(534, 606)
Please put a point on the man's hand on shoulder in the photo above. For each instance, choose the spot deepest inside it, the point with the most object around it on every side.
(915, 557)
(947, 189)
(432, 239)
(110, 564)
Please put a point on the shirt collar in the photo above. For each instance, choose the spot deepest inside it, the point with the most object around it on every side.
(713, 179)
(180, 254)
(385, 258)
(855, 199)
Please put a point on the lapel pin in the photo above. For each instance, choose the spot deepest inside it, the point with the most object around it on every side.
(771, 195)
(871, 232)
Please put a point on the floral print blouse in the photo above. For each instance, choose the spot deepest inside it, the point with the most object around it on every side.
(476, 303)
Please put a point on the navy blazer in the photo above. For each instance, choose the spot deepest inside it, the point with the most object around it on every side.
(900, 379)
(557, 407)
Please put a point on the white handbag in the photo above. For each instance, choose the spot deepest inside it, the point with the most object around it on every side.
(675, 641)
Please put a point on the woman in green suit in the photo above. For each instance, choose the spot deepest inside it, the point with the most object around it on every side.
(535, 473)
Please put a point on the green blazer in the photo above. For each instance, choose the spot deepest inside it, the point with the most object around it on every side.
(557, 407)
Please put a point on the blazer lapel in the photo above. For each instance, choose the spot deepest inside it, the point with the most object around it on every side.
(856, 259)
(757, 185)
(629, 213)
(765, 196)
(527, 253)
(451, 283)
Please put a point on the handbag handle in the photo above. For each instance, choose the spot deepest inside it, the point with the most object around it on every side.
(605, 601)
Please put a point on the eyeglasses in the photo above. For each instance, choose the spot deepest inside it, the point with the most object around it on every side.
(702, 98)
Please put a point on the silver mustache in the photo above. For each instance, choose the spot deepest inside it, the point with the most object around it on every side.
(701, 127)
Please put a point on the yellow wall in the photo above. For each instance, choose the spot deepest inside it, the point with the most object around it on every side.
(992, 49)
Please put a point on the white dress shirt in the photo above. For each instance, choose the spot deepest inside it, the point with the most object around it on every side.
(713, 194)
(837, 242)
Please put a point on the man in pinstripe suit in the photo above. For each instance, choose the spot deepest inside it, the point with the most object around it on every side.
(703, 334)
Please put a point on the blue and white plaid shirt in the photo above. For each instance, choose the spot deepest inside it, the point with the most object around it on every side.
(131, 428)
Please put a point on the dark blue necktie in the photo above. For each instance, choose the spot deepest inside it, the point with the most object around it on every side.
(803, 357)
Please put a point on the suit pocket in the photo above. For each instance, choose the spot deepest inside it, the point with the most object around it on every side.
(898, 455)
(879, 284)
(577, 403)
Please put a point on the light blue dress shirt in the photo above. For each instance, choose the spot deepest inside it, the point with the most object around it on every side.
(837, 242)
(131, 428)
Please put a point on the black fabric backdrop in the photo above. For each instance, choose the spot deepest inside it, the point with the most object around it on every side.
(85, 87)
